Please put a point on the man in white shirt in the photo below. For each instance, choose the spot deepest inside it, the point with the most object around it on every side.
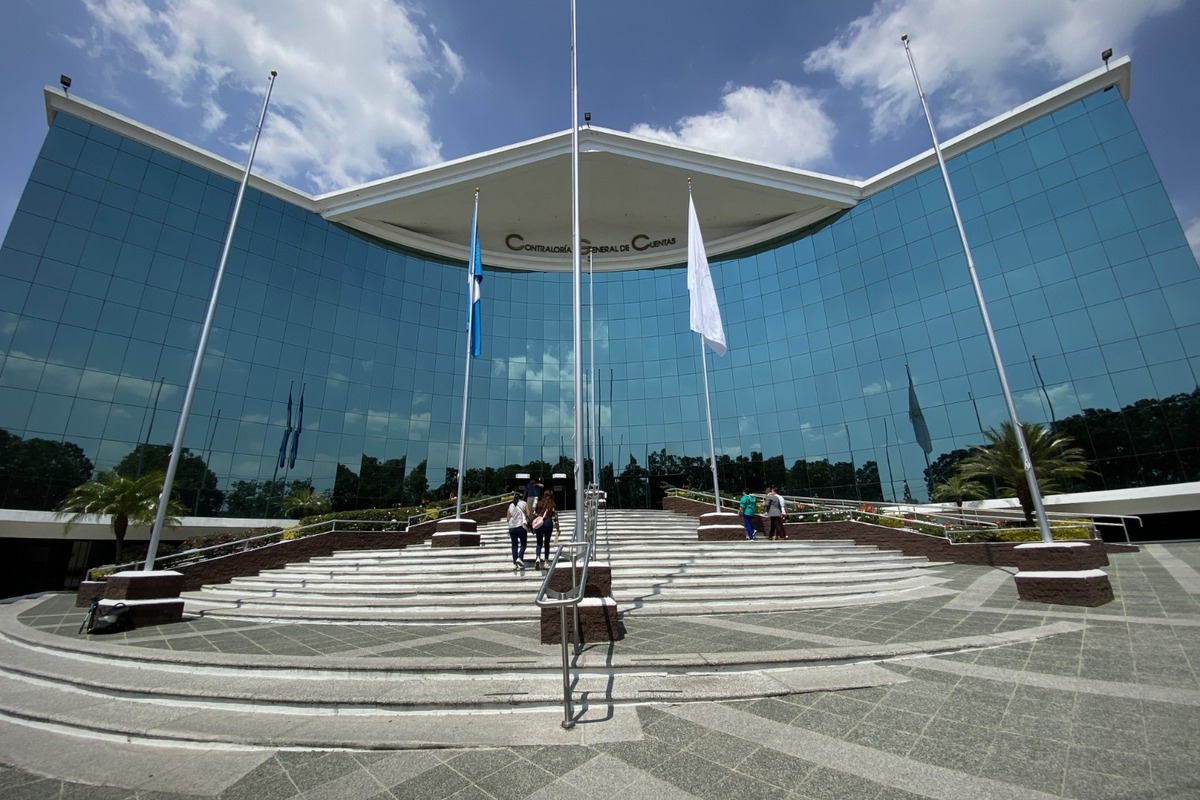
(776, 509)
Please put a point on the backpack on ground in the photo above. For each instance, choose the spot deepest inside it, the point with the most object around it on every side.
(116, 618)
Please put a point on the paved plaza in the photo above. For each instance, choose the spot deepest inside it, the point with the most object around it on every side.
(1026, 701)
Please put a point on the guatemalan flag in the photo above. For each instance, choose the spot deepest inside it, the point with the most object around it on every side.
(475, 288)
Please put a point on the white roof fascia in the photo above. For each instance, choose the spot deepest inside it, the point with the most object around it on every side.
(58, 99)
(336, 206)
(1118, 74)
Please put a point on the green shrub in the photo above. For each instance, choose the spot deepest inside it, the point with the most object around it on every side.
(399, 516)
(1066, 532)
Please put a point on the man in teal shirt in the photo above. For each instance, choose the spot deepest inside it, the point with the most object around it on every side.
(748, 504)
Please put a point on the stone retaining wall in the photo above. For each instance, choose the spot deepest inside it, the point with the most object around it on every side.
(223, 569)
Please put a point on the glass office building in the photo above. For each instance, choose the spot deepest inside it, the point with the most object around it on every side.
(337, 356)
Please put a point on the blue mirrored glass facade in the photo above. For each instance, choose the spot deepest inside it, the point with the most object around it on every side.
(1093, 292)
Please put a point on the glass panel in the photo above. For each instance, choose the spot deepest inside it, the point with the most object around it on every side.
(113, 249)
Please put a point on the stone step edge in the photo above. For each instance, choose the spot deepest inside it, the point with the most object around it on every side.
(522, 603)
(543, 694)
(679, 590)
(477, 671)
(468, 582)
(645, 564)
(593, 657)
(637, 608)
(425, 728)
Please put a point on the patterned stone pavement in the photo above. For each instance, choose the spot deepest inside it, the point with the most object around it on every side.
(1108, 709)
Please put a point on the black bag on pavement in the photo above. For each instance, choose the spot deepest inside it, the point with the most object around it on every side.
(115, 619)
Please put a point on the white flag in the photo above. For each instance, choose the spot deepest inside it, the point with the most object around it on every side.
(706, 316)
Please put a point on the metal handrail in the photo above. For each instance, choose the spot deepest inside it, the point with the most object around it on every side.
(240, 545)
(445, 512)
(580, 549)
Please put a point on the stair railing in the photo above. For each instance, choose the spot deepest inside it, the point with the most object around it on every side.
(579, 550)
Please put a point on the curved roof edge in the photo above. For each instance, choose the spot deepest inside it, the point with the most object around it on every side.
(633, 190)
(57, 99)
(1118, 73)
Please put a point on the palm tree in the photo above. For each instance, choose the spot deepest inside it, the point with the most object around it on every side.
(129, 501)
(1054, 456)
(304, 501)
(956, 489)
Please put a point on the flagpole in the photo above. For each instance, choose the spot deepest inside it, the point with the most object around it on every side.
(576, 285)
(591, 370)
(279, 462)
(887, 454)
(164, 498)
(712, 448)
(299, 425)
(703, 356)
(853, 469)
(462, 438)
(1026, 461)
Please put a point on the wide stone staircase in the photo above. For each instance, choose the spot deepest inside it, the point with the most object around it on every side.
(658, 568)
(451, 656)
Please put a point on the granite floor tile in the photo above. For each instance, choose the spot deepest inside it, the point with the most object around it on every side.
(720, 748)
(1055, 739)
(439, 782)
(691, 773)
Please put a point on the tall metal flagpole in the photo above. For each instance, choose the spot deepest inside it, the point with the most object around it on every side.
(164, 499)
(593, 428)
(153, 414)
(712, 447)
(888, 455)
(462, 438)
(576, 286)
(1026, 462)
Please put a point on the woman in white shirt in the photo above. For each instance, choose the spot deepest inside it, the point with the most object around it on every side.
(518, 517)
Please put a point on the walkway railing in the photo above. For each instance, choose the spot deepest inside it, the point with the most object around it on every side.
(579, 550)
(953, 524)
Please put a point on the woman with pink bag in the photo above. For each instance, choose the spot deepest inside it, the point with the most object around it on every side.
(543, 528)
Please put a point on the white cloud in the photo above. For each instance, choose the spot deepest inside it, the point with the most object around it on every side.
(454, 64)
(550, 417)
(348, 105)
(782, 124)
(971, 52)
(1193, 235)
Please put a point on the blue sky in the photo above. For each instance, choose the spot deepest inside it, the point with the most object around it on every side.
(370, 88)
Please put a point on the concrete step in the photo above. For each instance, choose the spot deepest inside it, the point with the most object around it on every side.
(407, 583)
(631, 606)
(97, 688)
(658, 567)
(433, 569)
